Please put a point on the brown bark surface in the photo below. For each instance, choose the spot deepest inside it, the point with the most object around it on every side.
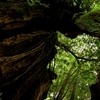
(27, 44)
(25, 50)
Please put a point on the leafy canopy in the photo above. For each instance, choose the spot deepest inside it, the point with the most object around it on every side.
(76, 65)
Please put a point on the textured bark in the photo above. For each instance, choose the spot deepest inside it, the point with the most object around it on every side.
(25, 50)
(27, 44)
(23, 61)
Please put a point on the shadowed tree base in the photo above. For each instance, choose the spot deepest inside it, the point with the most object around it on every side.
(24, 59)
(26, 48)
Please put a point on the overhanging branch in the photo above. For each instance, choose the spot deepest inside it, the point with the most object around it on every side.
(66, 49)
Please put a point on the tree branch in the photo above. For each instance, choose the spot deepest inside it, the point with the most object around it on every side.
(66, 49)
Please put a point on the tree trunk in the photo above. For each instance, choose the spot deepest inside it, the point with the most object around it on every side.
(25, 50)
(27, 44)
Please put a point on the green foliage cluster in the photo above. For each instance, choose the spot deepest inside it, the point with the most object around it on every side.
(28, 6)
(76, 67)
(90, 22)
(36, 4)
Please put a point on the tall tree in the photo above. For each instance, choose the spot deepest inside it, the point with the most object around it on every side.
(28, 39)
